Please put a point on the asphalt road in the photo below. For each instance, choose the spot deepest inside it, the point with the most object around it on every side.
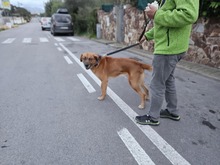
(49, 112)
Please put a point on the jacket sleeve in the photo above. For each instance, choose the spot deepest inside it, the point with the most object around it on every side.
(149, 35)
(186, 12)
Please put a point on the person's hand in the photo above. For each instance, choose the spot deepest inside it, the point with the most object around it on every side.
(151, 11)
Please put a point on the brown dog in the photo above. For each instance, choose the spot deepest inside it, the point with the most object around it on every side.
(104, 67)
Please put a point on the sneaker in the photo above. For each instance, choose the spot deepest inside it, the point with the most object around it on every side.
(166, 114)
(146, 120)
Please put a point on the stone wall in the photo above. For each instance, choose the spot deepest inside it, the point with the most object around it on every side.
(108, 25)
(204, 42)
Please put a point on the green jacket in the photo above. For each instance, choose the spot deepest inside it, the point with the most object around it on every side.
(172, 26)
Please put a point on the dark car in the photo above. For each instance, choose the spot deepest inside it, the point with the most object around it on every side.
(61, 23)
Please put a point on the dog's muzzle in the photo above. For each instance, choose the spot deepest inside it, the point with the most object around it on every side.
(87, 66)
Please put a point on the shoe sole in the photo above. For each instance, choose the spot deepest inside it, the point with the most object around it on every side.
(170, 117)
(152, 124)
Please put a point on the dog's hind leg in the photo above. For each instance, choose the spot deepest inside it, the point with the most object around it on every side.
(144, 87)
(135, 83)
(145, 91)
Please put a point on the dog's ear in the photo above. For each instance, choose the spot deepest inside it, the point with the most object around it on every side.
(81, 57)
(98, 57)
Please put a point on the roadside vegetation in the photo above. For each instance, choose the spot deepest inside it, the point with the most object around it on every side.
(84, 14)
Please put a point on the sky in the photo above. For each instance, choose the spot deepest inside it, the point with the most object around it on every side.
(34, 6)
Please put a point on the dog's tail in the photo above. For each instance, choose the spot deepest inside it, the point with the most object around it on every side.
(146, 66)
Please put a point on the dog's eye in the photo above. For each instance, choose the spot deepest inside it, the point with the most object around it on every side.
(90, 59)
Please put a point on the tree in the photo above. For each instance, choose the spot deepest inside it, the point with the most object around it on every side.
(48, 8)
(209, 8)
(52, 6)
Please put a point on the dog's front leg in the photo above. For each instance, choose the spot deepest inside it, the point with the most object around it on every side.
(104, 85)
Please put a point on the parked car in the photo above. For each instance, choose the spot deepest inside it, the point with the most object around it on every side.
(61, 22)
(45, 23)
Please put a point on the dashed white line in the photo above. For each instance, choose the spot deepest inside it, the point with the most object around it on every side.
(172, 155)
(27, 40)
(58, 48)
(59, 39)
(86, 83)
(8, 41)
(68, 60)
(136, 150)
(73, 39)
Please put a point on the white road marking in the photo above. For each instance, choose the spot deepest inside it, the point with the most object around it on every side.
(86, 83)
(56, 44)
(68, 60)
(73, 39)
(27, 40)
(172, 155)
(44, 40)
(8, 41)
(58, 48)
(59, 39)
(136, 150)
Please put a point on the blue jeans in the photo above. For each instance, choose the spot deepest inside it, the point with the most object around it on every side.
(163, 84)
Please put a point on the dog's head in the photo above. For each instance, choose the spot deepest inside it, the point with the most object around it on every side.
(90, 60)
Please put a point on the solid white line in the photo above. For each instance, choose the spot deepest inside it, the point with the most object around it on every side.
(137, 152)
(27, 40)
(44, 40)
(86, 83)
(172, 155)
(68, 60)
(8, 41)
(59, 39)
(73, 39)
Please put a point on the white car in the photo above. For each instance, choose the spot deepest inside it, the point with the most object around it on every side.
(45, 23)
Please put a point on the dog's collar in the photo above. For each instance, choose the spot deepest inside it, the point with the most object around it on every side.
(97, 62)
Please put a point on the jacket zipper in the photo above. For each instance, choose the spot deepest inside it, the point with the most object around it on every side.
(168, 37)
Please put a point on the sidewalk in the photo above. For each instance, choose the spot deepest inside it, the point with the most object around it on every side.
(204, 70)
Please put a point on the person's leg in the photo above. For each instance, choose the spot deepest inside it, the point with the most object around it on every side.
(161, 71)
(157, 91)
(170, 94)
(171, 110)
(163, 67)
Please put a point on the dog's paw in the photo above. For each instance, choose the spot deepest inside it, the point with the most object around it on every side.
(141, 107)
(100, 98)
